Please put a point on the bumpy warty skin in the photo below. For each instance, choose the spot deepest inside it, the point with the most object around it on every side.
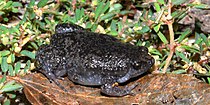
(92, 59)
(65, 27)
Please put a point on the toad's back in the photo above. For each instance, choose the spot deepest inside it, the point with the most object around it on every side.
(93, 57)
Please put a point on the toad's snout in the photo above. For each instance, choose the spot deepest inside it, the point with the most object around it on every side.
(150, 60)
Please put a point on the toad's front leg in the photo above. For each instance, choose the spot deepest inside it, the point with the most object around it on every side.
(52, 77)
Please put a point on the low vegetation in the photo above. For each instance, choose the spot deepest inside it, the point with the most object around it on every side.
(177, 46)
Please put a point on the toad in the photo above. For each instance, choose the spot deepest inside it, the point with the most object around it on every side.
(92, 59)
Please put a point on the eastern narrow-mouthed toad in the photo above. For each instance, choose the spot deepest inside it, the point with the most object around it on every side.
(92, 59)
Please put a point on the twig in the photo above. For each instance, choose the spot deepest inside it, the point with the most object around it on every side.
(169, 22)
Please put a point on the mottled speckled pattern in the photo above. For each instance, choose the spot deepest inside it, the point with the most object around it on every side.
(92, 59)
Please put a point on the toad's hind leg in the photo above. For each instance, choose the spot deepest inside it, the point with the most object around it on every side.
(112, 90)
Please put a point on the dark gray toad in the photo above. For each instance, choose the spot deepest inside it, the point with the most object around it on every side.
(92, 59)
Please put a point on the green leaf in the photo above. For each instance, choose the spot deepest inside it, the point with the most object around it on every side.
(125, 12)
(11, 70)
(98, 10)
(179, 14)
(27, 67)
(5, 40)
(156, 52)
(79, 14)
(8, 5)
(184, 34)
(198, 39)
(208, 78)
(113, 33)
(1, 12)
(3, 29)
(16, 4)
(0, 60)
(6, 19)
(34, 45)
(107, 16)
(31, 4)
(179, 71)
(11, 58)
(113, 25)
(7, 102)
(4, 65)
(28, 54)
(162, 65)
(202, 6)
(113, 28)
(205, 39)
(11, 95)
(82, 13)
(106, 7)
(160, 35)
(5, 52)
(42, 3)
(157, 7)
(191, 49)
(178, 2)
(15, 10)
(181, 55)
(11, 86)
(14, 30)
(115, 7)
(144, 30)
(41, 24)
(3, 79)
(157, 27)
(17, 67)
(94, 27)
(161, 1)
(120, 26)
(88, 25)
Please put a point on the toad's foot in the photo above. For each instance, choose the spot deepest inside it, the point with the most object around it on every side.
(113, 90)
(53, 78)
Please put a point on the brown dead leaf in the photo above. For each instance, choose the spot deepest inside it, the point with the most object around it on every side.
(39, 90)
(153, 89)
